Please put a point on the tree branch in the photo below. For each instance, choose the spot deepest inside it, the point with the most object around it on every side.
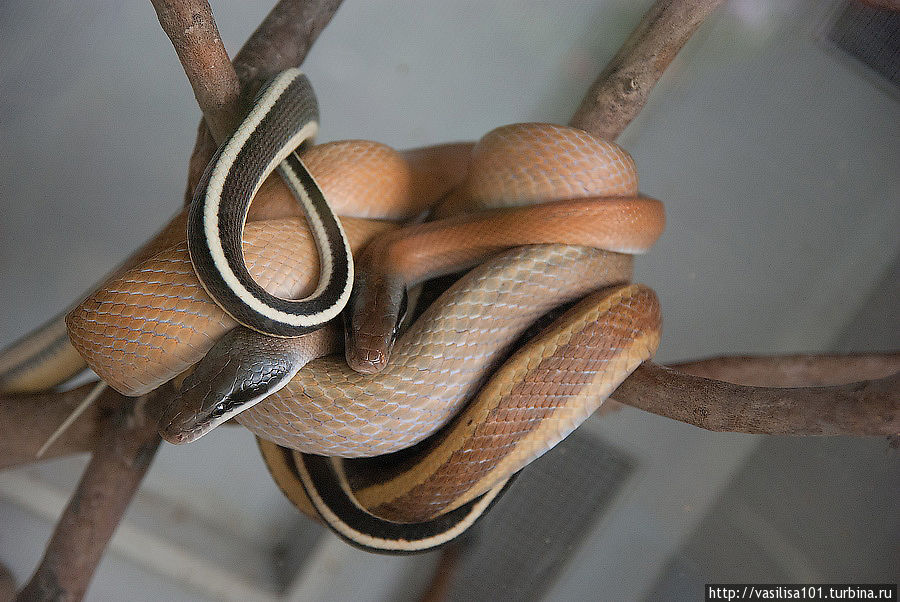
(794, 370)
(623, 87)
(22, 434)
(192, 29)
(121, 457)
(282, 40)
(861, 408)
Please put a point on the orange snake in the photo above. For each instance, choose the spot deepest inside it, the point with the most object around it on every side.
(447, 374)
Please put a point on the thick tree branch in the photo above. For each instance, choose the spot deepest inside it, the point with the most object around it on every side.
(861, 408)
(623, 87)
(121, 457)
(192, 29)
(21, 435)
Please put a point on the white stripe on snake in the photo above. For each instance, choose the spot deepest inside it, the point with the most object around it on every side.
(284, 117)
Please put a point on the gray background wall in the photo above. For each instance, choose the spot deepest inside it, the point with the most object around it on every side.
(777, 160)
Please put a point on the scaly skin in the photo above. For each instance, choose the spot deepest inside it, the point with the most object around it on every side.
(441, 362)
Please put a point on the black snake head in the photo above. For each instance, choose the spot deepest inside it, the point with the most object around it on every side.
(241, 369)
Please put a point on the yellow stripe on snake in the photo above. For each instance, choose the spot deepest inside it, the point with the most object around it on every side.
(478, 413)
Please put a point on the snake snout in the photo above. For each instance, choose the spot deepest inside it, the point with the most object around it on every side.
(182, 421)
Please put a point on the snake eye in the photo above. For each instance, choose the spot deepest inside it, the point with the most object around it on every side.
(220, 408)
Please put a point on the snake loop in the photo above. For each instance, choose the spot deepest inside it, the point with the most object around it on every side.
(284, 117)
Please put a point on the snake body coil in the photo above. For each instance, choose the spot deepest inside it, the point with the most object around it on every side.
(484, 416)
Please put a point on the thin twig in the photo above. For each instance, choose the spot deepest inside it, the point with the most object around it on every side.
(623, 87)
(90, 398)
(862, 408)
(28, 420)
(121, 458)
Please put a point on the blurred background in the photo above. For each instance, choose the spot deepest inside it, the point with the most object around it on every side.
(774, 140)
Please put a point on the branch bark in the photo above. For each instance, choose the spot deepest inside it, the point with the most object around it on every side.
(21, 435)
(282, 40)
(623, 87)
(121, 457)
(192, 29)
(794, 370)
(862, 408)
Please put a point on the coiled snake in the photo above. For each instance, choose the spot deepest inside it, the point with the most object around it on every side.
(471, 413)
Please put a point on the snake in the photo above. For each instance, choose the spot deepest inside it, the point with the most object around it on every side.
(283, 118)
(406, 454)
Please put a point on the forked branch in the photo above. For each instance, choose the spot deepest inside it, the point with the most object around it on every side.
(282, 40)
